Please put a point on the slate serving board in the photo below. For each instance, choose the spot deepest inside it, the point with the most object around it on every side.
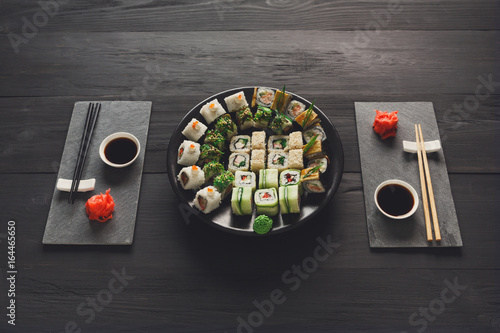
(69, 223)
(385, 159)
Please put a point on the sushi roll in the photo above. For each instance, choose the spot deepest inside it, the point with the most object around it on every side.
(225, 125)
(209, 153)
(236, 102)
(266, 201)
(277, 160)
(212, 110)
(311, 181)
(246, 179)
(224, 183)
(194, 130)
(258, 161)
(322, 161)
(307, 118)
(268, 178)
(295, 108)
(278, 143)
(242, 201)
(212, 169)
(313, 149)
(262, 117)
(281, 124)
(281, 100)
(188, 153)
(259, 140)
(238, 161)
(216, 139)
(191, 177)
(289, 199)
(244, 118)
(263, 97)
(295, 159)
(207, 199)
(240, 143)
(311, 132)
(290, 177)
(295, 140)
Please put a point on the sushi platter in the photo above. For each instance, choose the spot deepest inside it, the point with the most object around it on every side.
(255, 156)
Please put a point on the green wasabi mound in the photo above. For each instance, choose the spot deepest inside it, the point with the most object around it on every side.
(262, 224)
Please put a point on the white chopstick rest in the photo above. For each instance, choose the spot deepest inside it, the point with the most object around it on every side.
(430, 146)
(84, 186)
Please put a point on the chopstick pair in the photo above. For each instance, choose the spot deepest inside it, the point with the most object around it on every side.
(90, 121)
(424, 165)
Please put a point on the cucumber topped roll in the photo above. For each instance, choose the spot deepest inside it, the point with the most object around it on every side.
(242, 201)
(266, 201)
(268, 178)
(289, 199)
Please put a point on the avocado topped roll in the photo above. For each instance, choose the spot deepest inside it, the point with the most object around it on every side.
(289, 199)
(212, 169)
(225, 125)
(262, 117)
(266, 201)
(224, 183)
(216, 139)
(268, 178)
(209, 153)
(238, 161)
(244, 118)
(242, 201)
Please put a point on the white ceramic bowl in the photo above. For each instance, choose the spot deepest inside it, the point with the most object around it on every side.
(117, 135)
(408, 187)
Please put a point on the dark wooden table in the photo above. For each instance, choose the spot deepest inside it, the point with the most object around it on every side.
(184, 276)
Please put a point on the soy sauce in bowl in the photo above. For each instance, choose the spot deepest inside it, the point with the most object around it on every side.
(120, 150)
(395, 199)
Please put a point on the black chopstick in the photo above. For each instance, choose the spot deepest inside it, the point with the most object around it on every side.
(90, 121)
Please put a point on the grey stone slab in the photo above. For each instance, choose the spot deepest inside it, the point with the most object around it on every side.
(385, 159)
(69, 223)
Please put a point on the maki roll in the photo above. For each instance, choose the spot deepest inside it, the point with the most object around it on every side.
(188, 153)
(277, 160)
(225, 125)
(311, 132)
(238, 161)
(209, 153)
(278, 143)
(259, 140)
(240, 143)
(321, 161)
(281, 100)
(290, 177)
(262, 97)
(207, 199)
(262, 117)
(244, 118)
(307, 118)
(295, 140)
(262, 224)
(268, 178)
(295, 159)
(295, 108)
(266, 201)
(242, 201)
(236, 102)
(281, 124)
(224, 183)
(258, 161)
(191, 177)
(194, 130)
(246, 179)
(212, 110)
(289, 199)
(216, 139)
(311, 181)
(212, 169)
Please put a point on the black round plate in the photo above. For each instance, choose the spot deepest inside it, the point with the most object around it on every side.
(223, 218)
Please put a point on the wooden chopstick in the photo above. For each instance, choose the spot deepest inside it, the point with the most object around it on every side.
(428, 227)
(90, 121)
(437, 231)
